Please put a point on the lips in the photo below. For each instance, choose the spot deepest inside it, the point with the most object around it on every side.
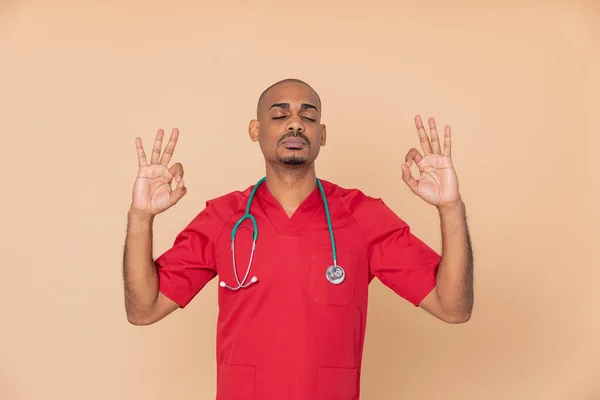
(294, 143)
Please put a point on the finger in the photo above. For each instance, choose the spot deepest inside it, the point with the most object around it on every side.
(179, 191)
(410, 180)
(170, 149)
(425, 145)
(157, 147)
(447, 137)
(435, 140)
(176, 170)
(413, 155)
(142, 161)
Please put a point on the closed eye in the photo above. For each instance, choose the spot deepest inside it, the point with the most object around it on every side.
(310, 119)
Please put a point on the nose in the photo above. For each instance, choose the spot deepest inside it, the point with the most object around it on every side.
(295, 124)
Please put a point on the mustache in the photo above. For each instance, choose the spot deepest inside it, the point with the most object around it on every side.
(295, 134)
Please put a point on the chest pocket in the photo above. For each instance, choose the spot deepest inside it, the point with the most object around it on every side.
(321, 290)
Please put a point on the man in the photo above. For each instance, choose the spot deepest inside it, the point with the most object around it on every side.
(293, 303)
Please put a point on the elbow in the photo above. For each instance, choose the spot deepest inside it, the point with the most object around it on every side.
(139, 319)
(457, 318)
(458, 315)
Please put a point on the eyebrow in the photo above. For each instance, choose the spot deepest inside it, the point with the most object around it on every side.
(287, 106)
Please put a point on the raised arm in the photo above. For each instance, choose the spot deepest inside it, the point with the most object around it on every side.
(152, 194)
(452, 299)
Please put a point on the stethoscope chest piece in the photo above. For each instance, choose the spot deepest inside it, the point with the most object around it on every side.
(335, 274)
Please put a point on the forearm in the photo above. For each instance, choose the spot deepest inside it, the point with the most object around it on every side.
(139, 271)
(455, 274)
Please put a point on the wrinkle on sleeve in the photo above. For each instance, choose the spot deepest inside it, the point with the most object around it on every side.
(185, 268)
(398, 258)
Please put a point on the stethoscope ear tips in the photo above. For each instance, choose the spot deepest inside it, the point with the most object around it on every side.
(253, 280)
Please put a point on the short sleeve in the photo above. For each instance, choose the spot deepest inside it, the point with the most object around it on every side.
(399, 259)
(185, 268)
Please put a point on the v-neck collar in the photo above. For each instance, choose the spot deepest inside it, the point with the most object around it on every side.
(294, 225)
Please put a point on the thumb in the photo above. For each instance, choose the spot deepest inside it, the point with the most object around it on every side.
(179, 191)
(410, 180)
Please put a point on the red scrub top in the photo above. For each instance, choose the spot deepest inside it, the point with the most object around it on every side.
(293, 334)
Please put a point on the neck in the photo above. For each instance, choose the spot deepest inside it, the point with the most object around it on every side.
(290, 186)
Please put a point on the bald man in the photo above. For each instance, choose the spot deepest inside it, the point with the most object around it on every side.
(294, 255)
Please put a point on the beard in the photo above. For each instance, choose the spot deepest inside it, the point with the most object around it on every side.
(292, 160)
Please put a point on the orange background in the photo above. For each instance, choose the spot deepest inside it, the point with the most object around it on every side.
(518, 82)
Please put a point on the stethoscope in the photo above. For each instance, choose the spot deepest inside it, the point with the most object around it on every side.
(334, 273)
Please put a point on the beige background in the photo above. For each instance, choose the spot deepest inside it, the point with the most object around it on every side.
(518, 81)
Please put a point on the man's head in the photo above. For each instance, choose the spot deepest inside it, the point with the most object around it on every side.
(288, 123)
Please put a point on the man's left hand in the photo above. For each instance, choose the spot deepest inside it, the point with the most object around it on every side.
(437, 183)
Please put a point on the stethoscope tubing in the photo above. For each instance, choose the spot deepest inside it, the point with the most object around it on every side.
(247, 215)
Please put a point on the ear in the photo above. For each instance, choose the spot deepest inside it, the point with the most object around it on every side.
(323, 134)
(253, 130)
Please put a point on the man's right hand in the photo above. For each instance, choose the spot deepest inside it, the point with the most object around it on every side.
(152, 191)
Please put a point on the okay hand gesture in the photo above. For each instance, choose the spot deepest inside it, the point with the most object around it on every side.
(152, 191)
(437, 183)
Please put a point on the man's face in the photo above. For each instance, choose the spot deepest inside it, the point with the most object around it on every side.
(289, 128)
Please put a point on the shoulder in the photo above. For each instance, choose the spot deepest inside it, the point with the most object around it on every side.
(366, 209)
(352, 199)
(227, 204)
(218, 211)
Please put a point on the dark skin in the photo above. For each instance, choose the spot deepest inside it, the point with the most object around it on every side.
(289, 111)
(290, 177)
(295, 107)
(289, 131)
